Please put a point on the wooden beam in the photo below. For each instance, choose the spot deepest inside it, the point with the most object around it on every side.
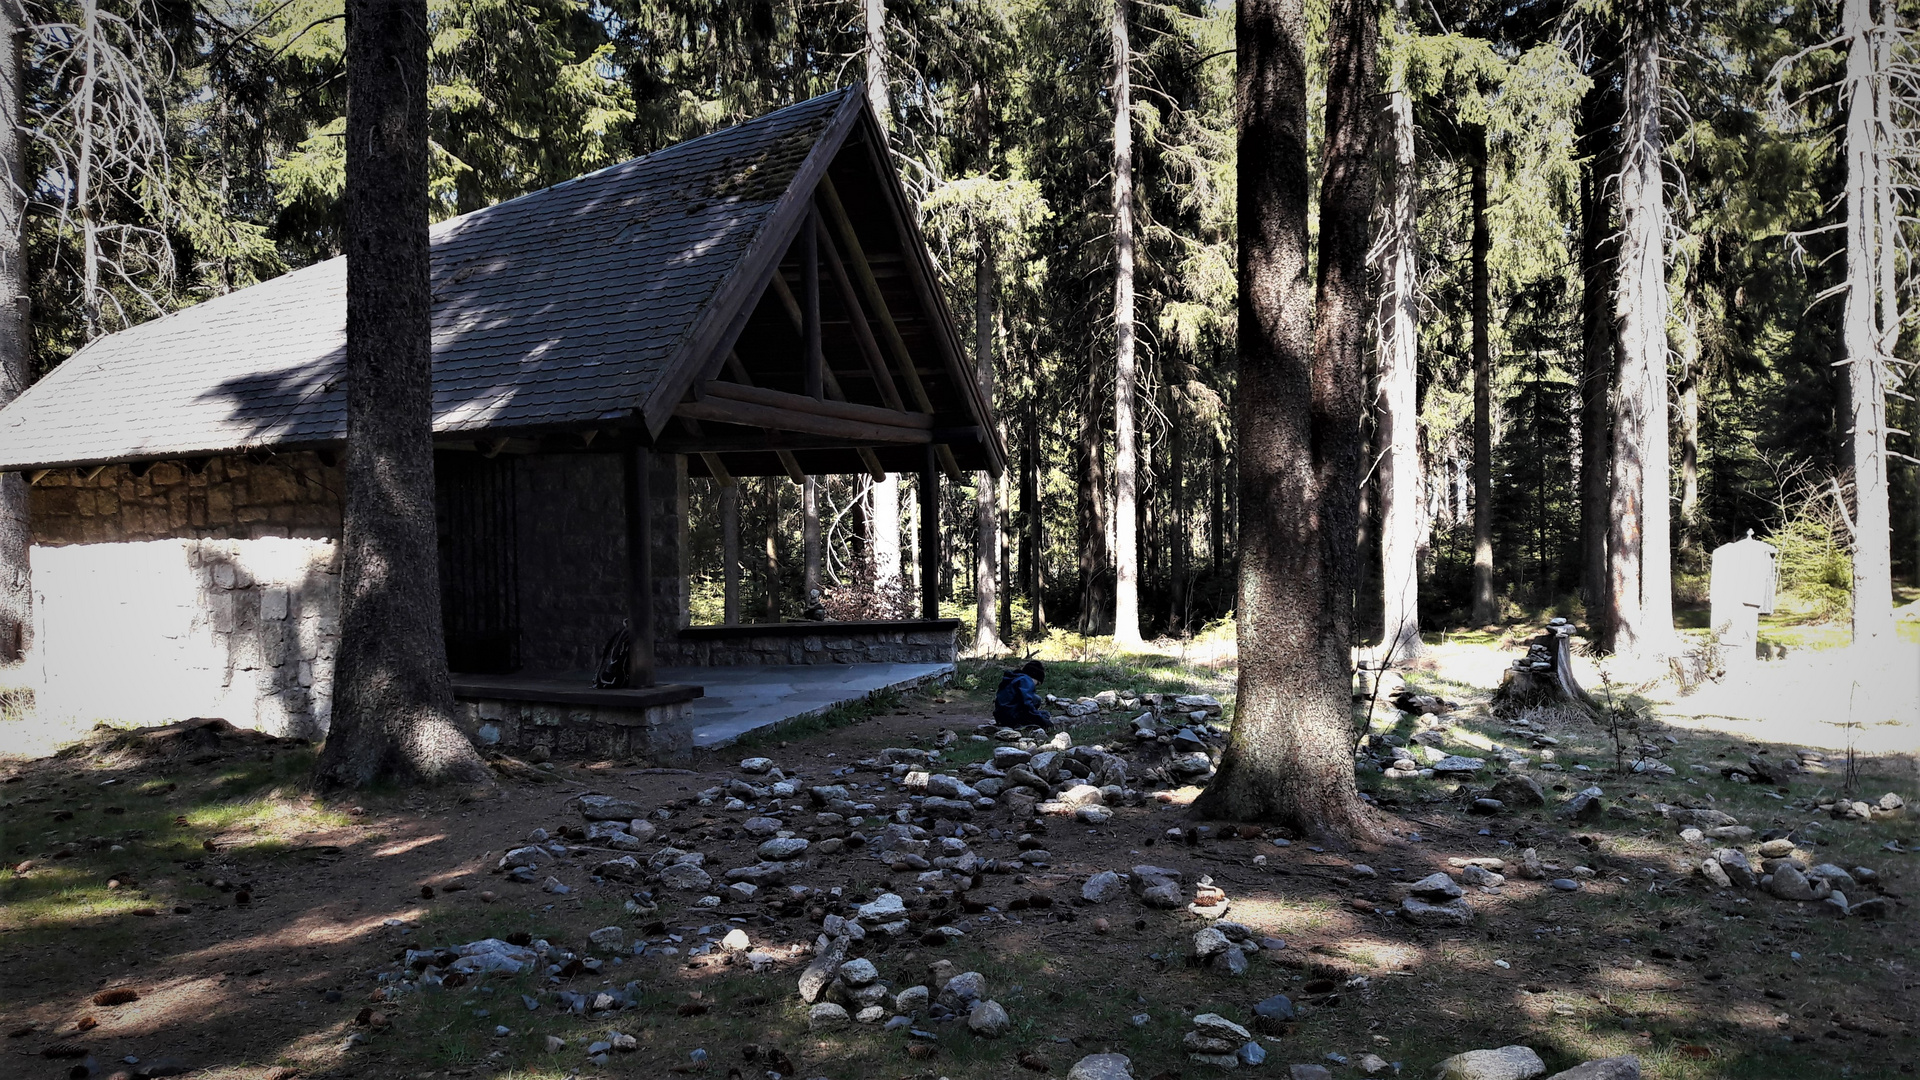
(814, 359)
(751, 414)
(829, 198)
(792, 465)
(929, 537)
(845, 410)
(862, 331)
(639, 513)
(872, 462)
(717, 469)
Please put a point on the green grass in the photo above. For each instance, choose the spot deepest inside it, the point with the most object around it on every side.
(875, 704)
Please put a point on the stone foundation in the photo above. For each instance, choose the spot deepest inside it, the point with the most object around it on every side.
(518, 715)
(922, 641)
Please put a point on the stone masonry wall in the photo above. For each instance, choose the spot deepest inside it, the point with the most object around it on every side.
(178, 594)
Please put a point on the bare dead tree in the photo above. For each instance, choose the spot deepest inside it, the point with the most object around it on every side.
(1399, 342)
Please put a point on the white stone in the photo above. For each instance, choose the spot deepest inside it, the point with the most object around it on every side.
(1506, 1063)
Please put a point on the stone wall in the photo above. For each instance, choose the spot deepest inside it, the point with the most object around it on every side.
(927, 641)
(662, 732)
(573, 556)
(177, 594)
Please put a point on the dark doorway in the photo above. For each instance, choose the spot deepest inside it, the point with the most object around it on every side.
(479, 562)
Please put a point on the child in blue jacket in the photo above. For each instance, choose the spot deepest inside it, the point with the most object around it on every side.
(1017, 703)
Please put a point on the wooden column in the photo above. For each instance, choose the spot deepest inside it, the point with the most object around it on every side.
(730, 550)
(816, 360)
(929, 536)
(639, 508)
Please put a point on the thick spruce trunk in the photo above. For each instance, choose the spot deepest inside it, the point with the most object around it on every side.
(16, 339)
(1484, 612)
(1289, 758)
(1126, 568)
(1599, 252)
(393, 711)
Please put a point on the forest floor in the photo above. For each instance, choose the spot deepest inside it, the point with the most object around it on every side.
(131, 862)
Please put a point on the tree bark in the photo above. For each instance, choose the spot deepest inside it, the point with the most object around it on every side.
(1096, 586)
(1177, 542)
(730, 552)
(1641, 593)
(1399, 338)
(1599, 248)
(1126, 570)
(1033, 559)
(1869, 262)
(393, 712)
(986, 566)
(1289, 757)
(810, 540)
(770, 568)
(1690, 434)
(884, 538)
(1484, 612)
(16, 339)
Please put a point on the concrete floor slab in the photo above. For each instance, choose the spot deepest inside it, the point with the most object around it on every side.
(748, 697)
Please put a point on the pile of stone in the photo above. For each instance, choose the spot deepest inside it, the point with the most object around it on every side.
(1220, 1043)
(1886, 808)
(1436, 901)
(1521, 1063)
(1223, 947)
(1783, 874)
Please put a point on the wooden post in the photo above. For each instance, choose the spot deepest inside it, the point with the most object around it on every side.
(730, 551)
(816, 361)
(929, 536)
(639, 507)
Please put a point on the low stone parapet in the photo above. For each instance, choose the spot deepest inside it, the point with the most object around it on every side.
(907, 641)
(517, 714)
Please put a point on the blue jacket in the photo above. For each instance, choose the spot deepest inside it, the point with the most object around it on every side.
(1017, 702)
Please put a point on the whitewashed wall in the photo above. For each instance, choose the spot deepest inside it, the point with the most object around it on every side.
(147, 632)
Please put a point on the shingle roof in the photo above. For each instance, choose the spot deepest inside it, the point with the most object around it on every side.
(559, 308)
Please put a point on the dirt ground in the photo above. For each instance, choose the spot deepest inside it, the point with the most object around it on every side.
(263, 931)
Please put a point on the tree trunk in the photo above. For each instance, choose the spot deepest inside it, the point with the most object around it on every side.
(1126, 570)
(1599, 248)
(1033, 561)
(1641, 592)
(393, 712)
(770, 568)
(730, 552)
(1177, 534)
(986, 564)
(884, 539)
(1399, 337)
(16, 340)
(1096, 587)
(1869, 262)
(1289, 757)
(1484, 613)
(810, 541)
(1690, 434)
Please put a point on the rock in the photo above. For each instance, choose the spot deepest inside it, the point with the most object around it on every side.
(872, 1014)
(624, 868)
(1251, 1054)
(608, 937)
(1374, 1064)
(1102, 1067)
(826, 1016)
(1790, 884)
(1519, 790)
(827, 958)
(1834, 876)
(1481, 876)
(1103, 887)
(885, 907)
(1771, 849)
(761, 826)
(1584, 806)
(960, 992)
(736, 941)
(552, 885)
(1308, 1072)
(1565, 884)
(1196, 1043)
(988, 1020)
(1191, 765)
(1701, 819)
(1530, 866)
(1615, 1068)
(1231, 961)
(1715, 873)
(781, 848)
(555, 1044)
(1421, 913)
(1506, 1063)
(912, 999)
(757, 765)
(1454, 764)
(1734, 862)
(1093, 815)
(1436, 886)
(1276, 1009)
(1215, 1026)
(684, 877)
(741, 892)
(609, 808)
(858, 972)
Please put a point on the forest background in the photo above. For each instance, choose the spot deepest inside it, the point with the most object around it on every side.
(180, 150)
